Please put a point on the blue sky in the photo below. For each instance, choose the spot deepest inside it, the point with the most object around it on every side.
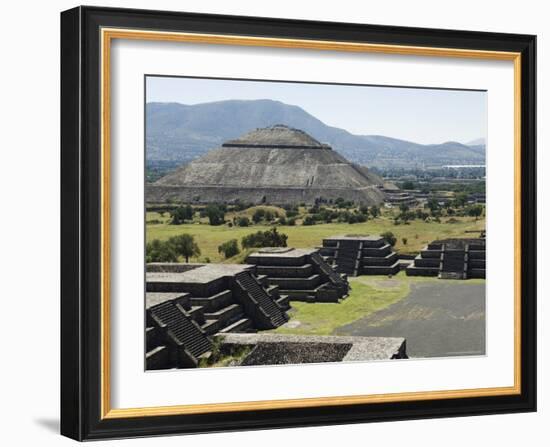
(415, 114)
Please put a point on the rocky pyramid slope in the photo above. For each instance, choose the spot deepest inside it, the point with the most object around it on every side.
(277, 164)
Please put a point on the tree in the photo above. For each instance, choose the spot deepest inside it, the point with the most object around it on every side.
(181, 214)
(475, 211)
(403, 207)
(390, 237)
(270, 238)
(258, 215)
(460, 199)
(375, 211)
(160, 251)
(309, 220)
(404, 240)
(229, 248)
(215, 214)
(433, 205)
(184, 245)
(408, 185)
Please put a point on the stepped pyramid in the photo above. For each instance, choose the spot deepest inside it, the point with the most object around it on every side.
(277, 164)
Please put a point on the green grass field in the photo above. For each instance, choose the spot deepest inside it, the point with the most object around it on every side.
(418, 233)
(368, 294)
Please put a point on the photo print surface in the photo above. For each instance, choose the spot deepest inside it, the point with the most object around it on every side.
(291, 223)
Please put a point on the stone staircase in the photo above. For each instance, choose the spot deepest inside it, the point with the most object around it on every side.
(265, 303)
(459, 258)
(184, 331)
(360, 255)
(453, 264)
(334, 277)
(348, 255)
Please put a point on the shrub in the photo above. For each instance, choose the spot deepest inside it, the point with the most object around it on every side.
(229, 248)
(291, 213)
(309, 220)
(269, 238)
(433, 205)
(258, 215)
(215, 214)
(460, 199)
(390, 238)
(375, 211)
(404, 240)
(160, 251)
(239, 206)
(475, 211)
(243, 221)
(181, 214)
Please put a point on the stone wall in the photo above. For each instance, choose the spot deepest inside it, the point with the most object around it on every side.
(275, 195)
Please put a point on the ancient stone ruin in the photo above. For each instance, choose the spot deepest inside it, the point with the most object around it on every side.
(282, 349)
(277, 165)
(301, 274)
(360, 255)
(451, 259)
(186, 304)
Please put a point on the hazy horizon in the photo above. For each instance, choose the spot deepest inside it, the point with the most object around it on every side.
(420, 115)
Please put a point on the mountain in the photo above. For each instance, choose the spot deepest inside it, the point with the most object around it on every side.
(476, 142)
(181, 133)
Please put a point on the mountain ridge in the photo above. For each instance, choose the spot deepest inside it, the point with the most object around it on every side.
(181, 133)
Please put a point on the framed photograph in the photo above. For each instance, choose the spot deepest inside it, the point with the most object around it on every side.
(274, 223)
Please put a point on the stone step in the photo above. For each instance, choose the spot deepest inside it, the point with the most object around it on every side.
(297, 283)
(214, 302)
(301, 271)
(182, 328)
(264, 301)
(226, 314)
(241, 325)
(381, 269)
(379, 260)
(284, 302)
(197, 314)
(210, 327)
(157, 358)
(422, 271)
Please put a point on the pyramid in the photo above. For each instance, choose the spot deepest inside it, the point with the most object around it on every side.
(277, 165)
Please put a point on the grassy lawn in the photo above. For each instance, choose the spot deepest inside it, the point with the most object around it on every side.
(418, 233)
(369, 294)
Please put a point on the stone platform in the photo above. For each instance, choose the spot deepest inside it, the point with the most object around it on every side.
(451, 259)
(279, 349)
(357, 255)
(299, 273)
(187, 304)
